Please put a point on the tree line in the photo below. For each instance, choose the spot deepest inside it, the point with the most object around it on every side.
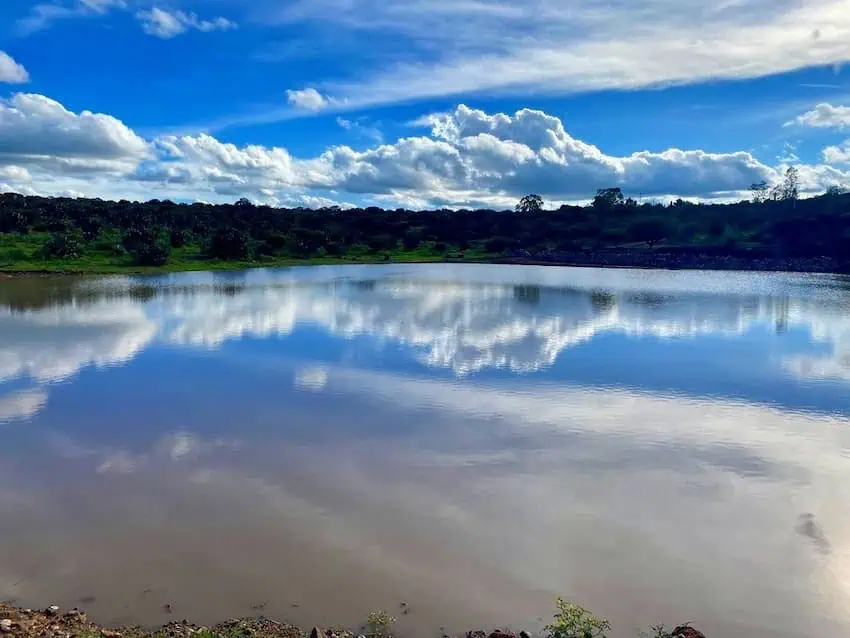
(774, 223)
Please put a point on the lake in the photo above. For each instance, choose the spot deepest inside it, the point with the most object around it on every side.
(315, 443)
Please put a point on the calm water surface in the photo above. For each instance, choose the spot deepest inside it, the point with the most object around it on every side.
(472, 440)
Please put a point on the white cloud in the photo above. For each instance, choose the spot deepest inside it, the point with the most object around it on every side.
(22, 405)
(42, 15)
(168, 24)
(824, 116)
(36, 131)
(838, 154)
(469, 158)
(12, 72)
(307, 99)
(547, 46)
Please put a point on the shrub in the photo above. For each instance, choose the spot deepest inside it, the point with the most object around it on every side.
(179, 237)
(379, 624)
(572, 621)
(152, 254)
(63, 245)
(229, 243)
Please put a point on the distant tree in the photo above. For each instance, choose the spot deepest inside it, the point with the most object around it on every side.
(608, 199)
(649, 230)
(244, 202)
(530, 204)
(791, 184)
(835, 190)
(760, 192)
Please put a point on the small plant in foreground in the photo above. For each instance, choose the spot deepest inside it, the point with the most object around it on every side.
(380, 624)
(572, 621)
(658, 631)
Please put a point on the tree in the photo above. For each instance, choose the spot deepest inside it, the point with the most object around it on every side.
(229, 243)
(791, 184)
(835, 190)
(760, 192)
(608, 199)
(530, 204)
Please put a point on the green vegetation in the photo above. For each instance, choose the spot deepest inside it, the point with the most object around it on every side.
(572, 621)
(92, 235)
(379, 624)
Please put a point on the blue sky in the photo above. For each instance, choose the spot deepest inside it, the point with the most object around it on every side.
(421, 102)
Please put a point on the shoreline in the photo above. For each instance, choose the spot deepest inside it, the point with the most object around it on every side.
(622, 260)
(571, 621)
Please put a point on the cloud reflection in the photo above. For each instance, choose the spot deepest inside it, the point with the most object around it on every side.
(501, 321)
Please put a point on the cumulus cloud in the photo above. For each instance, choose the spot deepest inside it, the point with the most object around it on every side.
(824, 116)
(12, 72)
(838, 154)
(307, 99)
(40, 132)
(467, 158)
(470, 151)
(168, 24)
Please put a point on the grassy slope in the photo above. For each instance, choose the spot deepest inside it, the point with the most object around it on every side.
(23, 254)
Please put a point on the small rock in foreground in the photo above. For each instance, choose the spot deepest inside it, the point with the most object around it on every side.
(6, 626)
(686, 631)
(53, 610)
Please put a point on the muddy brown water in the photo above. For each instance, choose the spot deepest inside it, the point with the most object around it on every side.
(316, 443)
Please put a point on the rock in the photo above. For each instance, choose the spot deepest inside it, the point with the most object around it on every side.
(476, 634)
(524, 634)
(77, 615)
(108, 633)
(317, 633)
(6, 626)
(686, 631)
(53, 610)
(502, 634)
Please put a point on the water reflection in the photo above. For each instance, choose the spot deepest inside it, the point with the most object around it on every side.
(659, 446)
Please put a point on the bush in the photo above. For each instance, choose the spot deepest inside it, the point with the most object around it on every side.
(412, 240)
(229, 243)
(572, 621)
(180, 237)
(63, 245)
(380, 624)
(153, 254)
(500, 244)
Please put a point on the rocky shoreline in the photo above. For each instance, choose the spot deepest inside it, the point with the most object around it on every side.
(679, 260)
(52, 622)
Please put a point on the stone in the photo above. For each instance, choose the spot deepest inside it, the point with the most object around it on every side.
(502, 634)
(6, 626)
(53, 610)
(77, 615)
(524, 634)
(476, 634)
(108, 633)
(317, 633)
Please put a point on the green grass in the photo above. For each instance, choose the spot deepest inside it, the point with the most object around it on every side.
(25, 254)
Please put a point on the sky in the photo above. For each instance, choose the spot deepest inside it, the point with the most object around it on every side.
(421, 103)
